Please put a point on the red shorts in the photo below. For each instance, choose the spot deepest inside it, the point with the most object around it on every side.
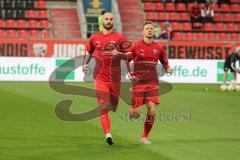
(107, 92)
(143, 94)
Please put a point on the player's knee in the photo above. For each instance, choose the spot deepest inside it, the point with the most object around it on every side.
(104, 108)
(151, 108)
(106, 105)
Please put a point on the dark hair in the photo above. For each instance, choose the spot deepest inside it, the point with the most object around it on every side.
(147, 22)
(103, 12)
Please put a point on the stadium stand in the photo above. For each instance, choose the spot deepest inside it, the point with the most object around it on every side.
(23, 18)
(64, 20)
(131, 26)
(34, 19)
(225, 26)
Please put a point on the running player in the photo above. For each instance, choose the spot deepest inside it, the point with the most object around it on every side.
(145, 56)
(107, 71)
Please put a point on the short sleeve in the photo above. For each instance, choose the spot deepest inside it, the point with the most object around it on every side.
(91, 47)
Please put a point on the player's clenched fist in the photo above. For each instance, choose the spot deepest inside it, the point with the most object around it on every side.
(84, 68)
(238, 70)
(115, 52)
(169, 70)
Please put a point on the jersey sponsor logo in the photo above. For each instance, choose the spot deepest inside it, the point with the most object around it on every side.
(109, 46)
(122, 46)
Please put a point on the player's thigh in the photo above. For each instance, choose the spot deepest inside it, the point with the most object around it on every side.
(227, 66)
(152, 98)
(137, 97)
(102, 92)
(114, 94)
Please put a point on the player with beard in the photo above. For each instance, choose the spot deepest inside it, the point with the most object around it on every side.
(107, 71)
(145, 56)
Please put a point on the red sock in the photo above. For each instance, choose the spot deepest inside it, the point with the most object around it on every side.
(105, 122)
(148, 124)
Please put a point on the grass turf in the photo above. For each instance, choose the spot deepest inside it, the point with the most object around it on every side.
(30, 130)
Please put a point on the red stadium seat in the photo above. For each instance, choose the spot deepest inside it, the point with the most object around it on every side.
(173, 16)
(1, 23)
(10, 23)
(235, 8)
(34, 34)
(224, 8)
(11, 33)
(183, 17)
(223, 36)
(176, 26)
(32, 24)
(162, 24)
(41, 4)
(162, 16)
(189, 36)
(2, 33)
(46, 34)
(212, 36)
(170, 6)
(42, 14)
(148, 6)
(219, 27)
(217, 17)
(208, 27)
(237, 18)
(43, 24)
(186, 26)
(227, 17)
(21, 23)
(238, 26)
(151, 16)
(215, 7)
(159, 7)
(234, 1)
(189, 7)
(234, 36)
(232, 27)
(200, 36)
(197, 26)
(202, 5)
(181, 7)
(178, 36)
(22, 34)
(31, 14)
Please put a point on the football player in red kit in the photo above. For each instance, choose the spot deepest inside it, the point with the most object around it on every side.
(145, 56)
(107, 71)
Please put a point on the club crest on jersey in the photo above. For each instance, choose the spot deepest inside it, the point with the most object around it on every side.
(155, 51)
(141, 52)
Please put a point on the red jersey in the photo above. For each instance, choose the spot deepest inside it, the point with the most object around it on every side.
(145, 57)
(195, 11)
(108, 67)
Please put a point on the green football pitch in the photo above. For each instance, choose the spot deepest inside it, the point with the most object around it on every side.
(193, 123)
